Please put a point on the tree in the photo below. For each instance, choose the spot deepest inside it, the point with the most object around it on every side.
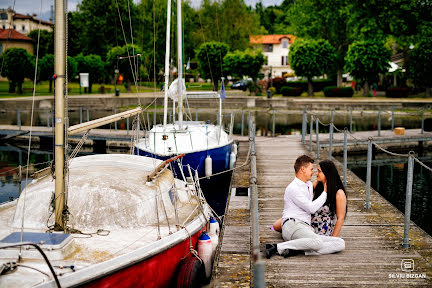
(310, 58)
(128, 66)
(210, 58)
(365, 60)
(244, 63)
(46, 69)
(420, 65)
(46, 42)
(93, 65)
(17, 65)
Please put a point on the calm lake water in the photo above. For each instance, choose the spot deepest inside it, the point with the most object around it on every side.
(390, 180)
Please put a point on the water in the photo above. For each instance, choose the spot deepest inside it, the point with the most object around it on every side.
(390, 180)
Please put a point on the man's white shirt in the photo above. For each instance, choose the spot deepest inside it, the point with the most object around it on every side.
(298, 202)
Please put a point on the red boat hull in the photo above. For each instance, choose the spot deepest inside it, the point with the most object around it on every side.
(157, 271)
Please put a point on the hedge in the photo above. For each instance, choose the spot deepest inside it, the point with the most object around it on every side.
(334, 91)
(397, 92)
(290, 91)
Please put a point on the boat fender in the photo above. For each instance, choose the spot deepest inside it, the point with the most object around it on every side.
(208, 166)
(214, 235)
(232, 160)
(235, 148)
(190, 273)
(205, 252)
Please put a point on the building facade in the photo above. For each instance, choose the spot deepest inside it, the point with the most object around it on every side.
(9, 38)
(23, 24)
(275, 48)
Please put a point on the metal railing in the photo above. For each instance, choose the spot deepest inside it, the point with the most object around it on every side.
(370, 143)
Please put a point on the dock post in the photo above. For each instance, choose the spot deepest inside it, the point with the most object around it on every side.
(331, 121)
(19, 118)
(47, 117)
(379, 121)
(242, 123)
(81, 115)
(310, 133)
(20, 178)
(170, 115)
(274, 124)
(422, 123)
(304, 126)
(405, 243)
(345, 156)
(154, 118)
(330, 141)
(196, 114)
(351, 120)
(368, 174)
(127, 126)
(317, 138)
(392, 119)
(88, 115)
(115, 123)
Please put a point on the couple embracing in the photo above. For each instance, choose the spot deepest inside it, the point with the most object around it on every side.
(313, 212)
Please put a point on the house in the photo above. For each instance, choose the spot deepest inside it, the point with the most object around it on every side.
(22, 23)
(9, 38)
(275, 48)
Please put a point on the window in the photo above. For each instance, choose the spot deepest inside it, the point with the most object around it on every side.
(14, 27)
(284, 43)
(4, 27)
(284, 60)
(23, 27)
(1, 48)
(3, 16)
(267, 47)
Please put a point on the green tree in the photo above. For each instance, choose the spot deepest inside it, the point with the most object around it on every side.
(310, 58)
(210, 58)
(46, 69)
(365, 60)
(420, 65)
(46, 42)
(17, 65)
(93, 65)
(128, 67)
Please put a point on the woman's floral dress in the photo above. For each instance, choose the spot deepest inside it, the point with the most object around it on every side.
(323, 221)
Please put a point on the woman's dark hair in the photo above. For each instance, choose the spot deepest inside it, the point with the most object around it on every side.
(334, 183)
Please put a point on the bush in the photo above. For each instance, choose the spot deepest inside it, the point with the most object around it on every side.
(273, 90)
(318, 85)
(333, 91)
(397, 92)
(291, 91)
(278, 83)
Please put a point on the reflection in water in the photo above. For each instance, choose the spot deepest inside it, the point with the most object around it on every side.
(390, 180)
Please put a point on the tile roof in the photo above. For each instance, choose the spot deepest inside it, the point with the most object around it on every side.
(34, 19)
(270, 39)
(13, 35)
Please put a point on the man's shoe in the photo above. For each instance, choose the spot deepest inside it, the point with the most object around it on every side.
(270, 250)
(288, 253)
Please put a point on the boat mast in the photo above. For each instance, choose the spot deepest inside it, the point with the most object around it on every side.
(167, 58)
(180, 63)
(59, 70)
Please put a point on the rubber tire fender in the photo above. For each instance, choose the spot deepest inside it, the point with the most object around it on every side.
(190, 273)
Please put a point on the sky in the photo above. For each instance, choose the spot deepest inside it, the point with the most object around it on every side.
(34, 6)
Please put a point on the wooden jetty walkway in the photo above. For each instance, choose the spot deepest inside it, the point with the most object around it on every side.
(373, 254)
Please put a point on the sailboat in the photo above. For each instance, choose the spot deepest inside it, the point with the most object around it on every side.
(208, 149)
(100, 220)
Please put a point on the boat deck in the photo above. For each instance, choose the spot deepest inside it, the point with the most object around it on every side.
(373, 254)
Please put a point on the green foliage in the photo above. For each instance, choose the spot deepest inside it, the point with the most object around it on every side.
(420, 63)
(46, 67)
(210, 58)
(334, 91)
(46, 42)
(17, 65)
(291, 91)
(309, 58)
(72, 67)
(243, 63)
(93, 65)
(397, 92)
(366, 59)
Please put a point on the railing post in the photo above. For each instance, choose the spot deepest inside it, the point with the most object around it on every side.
(19, 118)
(242, 123)
(47, 117)
(330, 141)
(392, 127)
(274, 124)
(304, 126)
(310, 133)
(405, 243)
(88, 115)
(317, 138)
(196, 114)
(127, 126)
(379, 121)
(115, 123)
(81, 115)
(351, 122)
(331, 121)
(345, 156)
(154, 118)
(422, 123)
(19, 183)
(368, 174)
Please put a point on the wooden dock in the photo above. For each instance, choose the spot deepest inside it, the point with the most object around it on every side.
(373, 254)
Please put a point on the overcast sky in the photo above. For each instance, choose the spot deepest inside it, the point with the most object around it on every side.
(34, 6)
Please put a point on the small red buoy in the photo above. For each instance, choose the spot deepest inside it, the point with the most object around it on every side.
(54, 77)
